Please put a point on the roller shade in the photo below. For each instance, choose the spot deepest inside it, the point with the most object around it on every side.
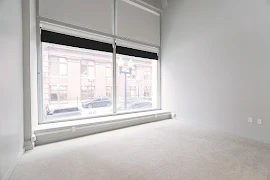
(93, 14)
(62, 39)
(136, 53)
(137, 23)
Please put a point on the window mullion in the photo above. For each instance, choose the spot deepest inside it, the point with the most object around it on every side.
(114, 78)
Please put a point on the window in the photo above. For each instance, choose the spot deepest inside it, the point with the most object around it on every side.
(147, 91)
(88, 69)
(84, 67)
(131, 91)
(147, 76)
(87, 92)
(109, 91)
(108, 72)
(87, 87)
(135, 82)
(57, 66)
(58, 93)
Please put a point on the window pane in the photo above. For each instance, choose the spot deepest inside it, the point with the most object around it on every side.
(92, 72)
(84, 68)
(73, 80)
(109, 91)
(53, 66)
(63, 69)
(54, 96)
(108, 72)
(136, 83)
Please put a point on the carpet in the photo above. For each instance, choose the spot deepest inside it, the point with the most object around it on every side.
(165, 150)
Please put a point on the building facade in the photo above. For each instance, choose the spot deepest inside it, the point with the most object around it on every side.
(71, 75)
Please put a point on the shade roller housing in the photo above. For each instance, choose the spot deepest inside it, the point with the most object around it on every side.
(93, 14)
(136, 53)
(67, 40)
(137, 23)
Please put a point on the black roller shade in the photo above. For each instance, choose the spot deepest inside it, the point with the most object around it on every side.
(136, 53)
(67, 40)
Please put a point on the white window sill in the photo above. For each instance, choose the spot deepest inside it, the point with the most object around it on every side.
(48, 133)
(106, 119)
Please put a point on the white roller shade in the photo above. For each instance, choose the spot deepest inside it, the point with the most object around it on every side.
(137, 23)
(93, 14)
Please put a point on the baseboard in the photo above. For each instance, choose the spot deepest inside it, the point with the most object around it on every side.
(46, 136)
(13, 166)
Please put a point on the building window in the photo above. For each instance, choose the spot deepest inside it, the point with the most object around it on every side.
(147, 76)
(88, 69)
(58, 93)
(131, 91)
(87, 92)
(147, 91)
(108, 71)
(109, 91)
(57, 66)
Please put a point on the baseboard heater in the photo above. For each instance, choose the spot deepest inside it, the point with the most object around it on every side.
(52, 134)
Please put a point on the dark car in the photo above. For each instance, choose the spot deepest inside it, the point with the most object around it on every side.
(97, 102)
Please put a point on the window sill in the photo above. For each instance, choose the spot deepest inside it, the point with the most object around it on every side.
(48, 133)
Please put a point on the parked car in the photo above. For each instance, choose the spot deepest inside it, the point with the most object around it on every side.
(97, 102)
(140, 105)
(59, 112)
(136, 105)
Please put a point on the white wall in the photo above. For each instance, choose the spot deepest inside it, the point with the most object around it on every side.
(216, 64)
(11, 91)
(155, 3)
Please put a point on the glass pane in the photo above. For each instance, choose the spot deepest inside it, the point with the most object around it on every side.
(63, 69)
(74, 79)
(136, 83)
(53, 66)
(84, 70)
(91, 72)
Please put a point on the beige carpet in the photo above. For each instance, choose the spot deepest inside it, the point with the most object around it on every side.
(165, 150)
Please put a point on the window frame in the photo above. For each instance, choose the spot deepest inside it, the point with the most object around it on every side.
(113, 39)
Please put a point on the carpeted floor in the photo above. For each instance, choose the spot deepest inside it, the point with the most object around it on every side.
(165, 150)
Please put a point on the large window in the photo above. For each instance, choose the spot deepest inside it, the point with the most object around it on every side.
(78, 80)
(135, 91)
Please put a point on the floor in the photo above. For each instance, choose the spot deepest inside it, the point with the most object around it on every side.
(164, 150)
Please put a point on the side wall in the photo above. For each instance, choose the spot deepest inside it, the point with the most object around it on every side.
(11, 91)
(216, 64)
